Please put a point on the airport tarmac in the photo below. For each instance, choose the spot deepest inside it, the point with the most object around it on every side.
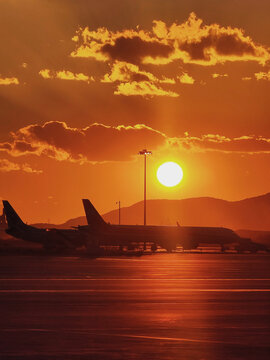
(164, 306)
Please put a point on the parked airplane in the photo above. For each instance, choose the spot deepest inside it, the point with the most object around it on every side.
(167, 237)
(51, 239)
(98, 233)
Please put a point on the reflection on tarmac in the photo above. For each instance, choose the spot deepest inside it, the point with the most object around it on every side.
(169, 306)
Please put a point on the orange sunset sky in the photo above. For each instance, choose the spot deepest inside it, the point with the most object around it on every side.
(85, 85)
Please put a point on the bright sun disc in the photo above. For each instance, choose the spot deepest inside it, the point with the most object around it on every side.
(169, 174)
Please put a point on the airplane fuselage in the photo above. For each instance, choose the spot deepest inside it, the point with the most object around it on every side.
(49, 238)
(168, 237)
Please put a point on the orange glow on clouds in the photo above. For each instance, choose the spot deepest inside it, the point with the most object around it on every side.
(9, 81)
(190, 41)
(83, 94)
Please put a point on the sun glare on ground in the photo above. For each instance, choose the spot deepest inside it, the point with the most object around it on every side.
(169, 174)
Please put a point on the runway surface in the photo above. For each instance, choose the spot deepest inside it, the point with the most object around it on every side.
(167, 306)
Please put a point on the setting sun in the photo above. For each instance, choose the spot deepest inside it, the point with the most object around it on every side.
(169, 174)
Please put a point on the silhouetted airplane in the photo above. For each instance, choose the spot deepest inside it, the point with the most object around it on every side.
(51, 239)
(167, 237)
(98, 233)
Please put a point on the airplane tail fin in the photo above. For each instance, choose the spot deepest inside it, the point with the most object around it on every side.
(13, 219)
(94, 219)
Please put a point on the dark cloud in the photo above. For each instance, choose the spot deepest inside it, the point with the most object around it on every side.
(99, 143)
(223, 44)
(22, 146)
(190, 42)
(231, 44)
(5, 146)
(96, 142)
(196, 49)
(139, 77)
(134, 49)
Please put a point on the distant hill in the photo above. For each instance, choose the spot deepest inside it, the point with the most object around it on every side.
(250, 214)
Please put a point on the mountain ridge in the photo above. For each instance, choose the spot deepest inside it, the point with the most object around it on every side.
(250, 213)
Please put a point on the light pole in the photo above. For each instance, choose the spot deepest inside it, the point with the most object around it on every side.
(119, 211)
(145, 153)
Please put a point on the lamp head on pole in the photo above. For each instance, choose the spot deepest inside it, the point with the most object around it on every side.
(145, 152)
